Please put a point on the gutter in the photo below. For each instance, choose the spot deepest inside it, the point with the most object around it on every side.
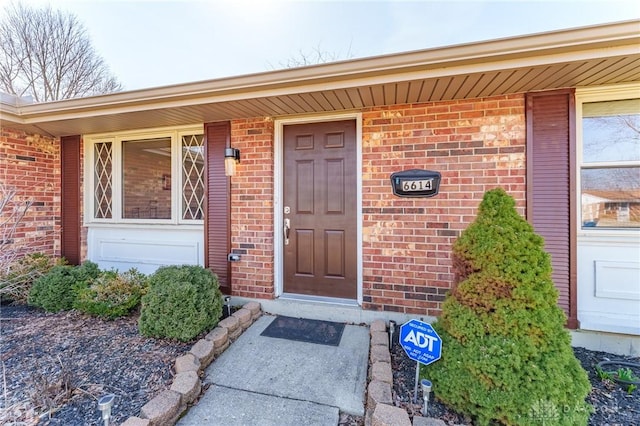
(605, 40)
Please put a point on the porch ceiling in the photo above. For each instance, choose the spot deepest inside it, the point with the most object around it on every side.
(583, 57)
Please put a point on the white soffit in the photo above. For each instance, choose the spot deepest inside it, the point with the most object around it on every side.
(590, 56)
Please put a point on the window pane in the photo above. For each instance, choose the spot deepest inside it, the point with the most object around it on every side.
(102, 180)
(146, 179)
(611, 197)
(192, 177)
(611, 131)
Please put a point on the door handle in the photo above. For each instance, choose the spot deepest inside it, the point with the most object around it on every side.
(287, 227)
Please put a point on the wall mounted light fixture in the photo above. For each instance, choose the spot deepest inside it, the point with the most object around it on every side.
(231, 158)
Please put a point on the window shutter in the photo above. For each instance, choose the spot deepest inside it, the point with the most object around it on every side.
(551, 187)
(70, 194)
(217, 239)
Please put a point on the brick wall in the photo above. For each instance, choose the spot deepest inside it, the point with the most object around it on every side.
(476, 145)
(252, 208)
(30, 164)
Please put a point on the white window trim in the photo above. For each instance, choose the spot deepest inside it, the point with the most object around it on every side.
(599, 94)
(116, 138)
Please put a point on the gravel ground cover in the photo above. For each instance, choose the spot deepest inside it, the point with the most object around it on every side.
(613, 406)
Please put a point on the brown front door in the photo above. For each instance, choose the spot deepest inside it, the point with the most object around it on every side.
(320, 252)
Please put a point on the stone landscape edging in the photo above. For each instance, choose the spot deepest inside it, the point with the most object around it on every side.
(166, 408)
(169, 405)
(380, 409)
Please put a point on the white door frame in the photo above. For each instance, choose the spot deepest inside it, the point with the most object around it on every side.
(278, 194)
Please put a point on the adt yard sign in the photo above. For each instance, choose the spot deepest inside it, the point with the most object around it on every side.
(420, 341)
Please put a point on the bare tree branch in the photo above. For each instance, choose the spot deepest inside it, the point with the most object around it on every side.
(12, 212)
(48, 54)
(315, 56)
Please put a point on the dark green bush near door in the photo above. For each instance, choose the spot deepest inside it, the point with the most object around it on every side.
(57, 289)
(506, 356)
(181, 303)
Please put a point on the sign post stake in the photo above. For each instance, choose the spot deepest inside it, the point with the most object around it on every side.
(415, 388)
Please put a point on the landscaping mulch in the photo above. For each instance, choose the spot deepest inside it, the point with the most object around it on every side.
(613, 406)
(55, 367)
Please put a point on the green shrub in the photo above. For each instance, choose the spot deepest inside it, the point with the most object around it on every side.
(112, 294)
(56, 290)
(16, 282)
(506, 356)
(182, 302)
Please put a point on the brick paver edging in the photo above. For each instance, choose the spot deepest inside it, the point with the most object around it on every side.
(380, 410)
(168, 406)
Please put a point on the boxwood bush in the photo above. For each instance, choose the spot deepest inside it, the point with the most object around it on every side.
(112, 294)
(56, 290)
(181, 303)
(506, 356)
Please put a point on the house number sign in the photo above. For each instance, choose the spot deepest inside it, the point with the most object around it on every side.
(415, 183)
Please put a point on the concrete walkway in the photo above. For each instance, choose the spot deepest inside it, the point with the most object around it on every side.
(268, 381)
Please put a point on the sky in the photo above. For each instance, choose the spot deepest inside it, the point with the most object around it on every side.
(158, 43)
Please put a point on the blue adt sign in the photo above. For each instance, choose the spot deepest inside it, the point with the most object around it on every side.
(420, 341)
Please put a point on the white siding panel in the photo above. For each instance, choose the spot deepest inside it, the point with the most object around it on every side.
(145, 248)
(618, 280)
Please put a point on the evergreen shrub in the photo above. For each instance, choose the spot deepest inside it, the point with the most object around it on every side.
(181, 303)
(112, 294)
(56, 290)
(506, 356)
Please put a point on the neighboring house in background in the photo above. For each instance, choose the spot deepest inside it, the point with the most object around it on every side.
(611, 208)
(137, 179)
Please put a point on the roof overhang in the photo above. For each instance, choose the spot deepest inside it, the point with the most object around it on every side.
(582, 57)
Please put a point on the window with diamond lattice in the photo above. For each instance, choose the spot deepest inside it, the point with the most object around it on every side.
(151, 176)
(102, 186)
(192, 177)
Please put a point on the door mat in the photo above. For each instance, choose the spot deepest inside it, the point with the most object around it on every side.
(305, 330)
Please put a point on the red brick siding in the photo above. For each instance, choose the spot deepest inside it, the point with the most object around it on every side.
(252, 208)
(476, 145)
(31, 164)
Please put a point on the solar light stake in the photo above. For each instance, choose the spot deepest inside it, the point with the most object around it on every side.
(392, 329)
(426, 389)
(227, 303)
(104, 404)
